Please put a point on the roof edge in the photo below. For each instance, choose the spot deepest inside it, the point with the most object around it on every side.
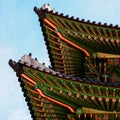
(48, 8)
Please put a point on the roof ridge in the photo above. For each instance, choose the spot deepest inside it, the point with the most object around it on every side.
(48, 8)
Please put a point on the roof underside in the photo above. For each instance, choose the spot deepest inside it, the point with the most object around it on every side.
(71, 44)
(54, 96)
(69, 40)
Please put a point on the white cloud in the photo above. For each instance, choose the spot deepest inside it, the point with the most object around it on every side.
(19, 114)
(103, 11)
(12, 103)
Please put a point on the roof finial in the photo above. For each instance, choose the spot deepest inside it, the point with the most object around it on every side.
(48, 7)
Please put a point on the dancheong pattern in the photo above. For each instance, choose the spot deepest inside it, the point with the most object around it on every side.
(83, 81)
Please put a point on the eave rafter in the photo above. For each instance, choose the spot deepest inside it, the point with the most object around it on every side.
(51, 91)
(83, 88)
(89, 100)
(64, 39)
(108, 35)
(44, 96)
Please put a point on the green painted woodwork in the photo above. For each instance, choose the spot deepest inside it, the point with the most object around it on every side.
(90, 85)
(43, 108)
(92, 37)
(81, 94)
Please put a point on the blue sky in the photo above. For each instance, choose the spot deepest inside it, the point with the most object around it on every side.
(20, 34)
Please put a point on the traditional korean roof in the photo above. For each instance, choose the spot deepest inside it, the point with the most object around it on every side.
(69, 40)
(84, 80)
(51, 95)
